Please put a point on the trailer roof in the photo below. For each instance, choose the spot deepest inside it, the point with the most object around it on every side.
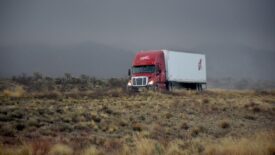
(184, 51)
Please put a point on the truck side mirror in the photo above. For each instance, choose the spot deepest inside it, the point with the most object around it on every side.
(129, 72)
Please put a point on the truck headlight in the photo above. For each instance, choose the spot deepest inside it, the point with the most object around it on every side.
(151, 82)
(129, 83)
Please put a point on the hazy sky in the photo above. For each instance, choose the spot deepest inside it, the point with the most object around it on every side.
(141, 24)
(138, 23)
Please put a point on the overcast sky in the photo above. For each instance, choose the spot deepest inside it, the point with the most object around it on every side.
(132, 25)
(138, 23)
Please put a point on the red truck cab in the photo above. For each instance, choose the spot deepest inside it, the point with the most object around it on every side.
(148, 70)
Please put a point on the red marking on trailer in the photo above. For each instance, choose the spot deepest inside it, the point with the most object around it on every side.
(200, 65)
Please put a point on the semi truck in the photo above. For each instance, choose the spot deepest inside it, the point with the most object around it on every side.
(164, 69)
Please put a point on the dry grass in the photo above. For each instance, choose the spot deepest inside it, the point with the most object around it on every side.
(92, 150)
(261, 143)
(61, 149)
(175, 148)
(115, 122)
(19, 150)
(17, 91)
(146, 146)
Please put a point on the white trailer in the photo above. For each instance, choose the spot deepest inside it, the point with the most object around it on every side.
(185, 68)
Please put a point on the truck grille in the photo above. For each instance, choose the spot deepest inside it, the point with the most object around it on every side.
(140, 81)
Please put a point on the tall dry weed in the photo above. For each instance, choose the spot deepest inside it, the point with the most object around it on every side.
(146, 146)
(262, 143)
(22, 150)
(17, 91)
(92, 150)
(61, 149)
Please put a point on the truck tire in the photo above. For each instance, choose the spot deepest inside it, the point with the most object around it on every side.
(153, 88)
(128, 89)
(199, 87)
(170, 86)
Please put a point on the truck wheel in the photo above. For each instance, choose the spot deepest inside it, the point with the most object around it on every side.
(199, 87)
(170, 86)
(128, 89)
(155, 88)
(131, 89)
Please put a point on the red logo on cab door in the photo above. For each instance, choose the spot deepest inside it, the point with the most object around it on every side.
(200, 64)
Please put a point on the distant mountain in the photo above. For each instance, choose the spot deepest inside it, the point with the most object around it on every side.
(87, 58)
(99, 60)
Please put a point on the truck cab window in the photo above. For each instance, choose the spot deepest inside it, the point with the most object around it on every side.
(144, 69)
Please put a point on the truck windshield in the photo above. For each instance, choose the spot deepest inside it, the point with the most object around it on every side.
(144, 69)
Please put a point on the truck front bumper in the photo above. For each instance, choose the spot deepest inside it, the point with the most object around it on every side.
(141, 88)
